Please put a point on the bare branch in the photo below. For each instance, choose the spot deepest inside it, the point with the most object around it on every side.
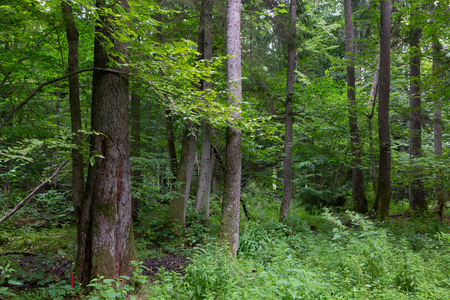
(31, 194)
(32, 94)
(18, 252)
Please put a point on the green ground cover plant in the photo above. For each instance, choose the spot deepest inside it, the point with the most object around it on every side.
(315, 254)
(358, 260)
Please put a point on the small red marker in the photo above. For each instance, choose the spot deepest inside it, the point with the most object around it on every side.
(72, 282)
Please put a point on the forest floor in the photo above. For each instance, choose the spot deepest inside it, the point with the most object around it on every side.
(42, 270)
(36, 270)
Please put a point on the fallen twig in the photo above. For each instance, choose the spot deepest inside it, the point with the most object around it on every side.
(18, 252)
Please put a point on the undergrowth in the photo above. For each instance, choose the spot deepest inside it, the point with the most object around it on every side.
(356, 259)
(313, 255)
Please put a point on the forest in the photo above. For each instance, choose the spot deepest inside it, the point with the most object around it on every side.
(224, 149)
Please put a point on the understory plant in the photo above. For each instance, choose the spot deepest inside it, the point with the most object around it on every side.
(356, 259)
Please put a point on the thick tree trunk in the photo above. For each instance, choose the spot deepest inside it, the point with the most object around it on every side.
(205, 174)
(135, 147)
(359, 195)
(178, 205)
(229, 221)
(106, 243)
(417, 200)
(383, 196)
(75, 110)
(289, 117)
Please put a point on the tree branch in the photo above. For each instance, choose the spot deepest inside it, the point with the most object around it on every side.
(18, 252)
(31, 194)
(32, 94)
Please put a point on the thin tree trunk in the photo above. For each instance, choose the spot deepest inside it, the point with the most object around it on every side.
(229, 221)
(106, 243)
(383, 196)
(204, 179)
(135, 147)
(417, 200)
(170, 132)
(289, 117)
(171, 144)
(359, 195)
(372, 102)
(75, 110)
(436, 69)
(178, 205)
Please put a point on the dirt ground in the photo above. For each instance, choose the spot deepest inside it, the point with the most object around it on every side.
(40, 271)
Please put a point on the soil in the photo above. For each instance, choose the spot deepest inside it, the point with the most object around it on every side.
(41, 271)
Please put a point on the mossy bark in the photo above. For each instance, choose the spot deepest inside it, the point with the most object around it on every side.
(105, 238)
(178, 205)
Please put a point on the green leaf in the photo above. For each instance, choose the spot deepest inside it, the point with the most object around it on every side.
(92, 160)
(293, 293)
(14, 282)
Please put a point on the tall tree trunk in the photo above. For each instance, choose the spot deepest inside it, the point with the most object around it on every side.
(372, 102)
(383, 196)
(206, 155)
(135, 147)
(436, 69)
(289, 117)
(75, 111)
(170, 133)
(229, 221)
(359, 196)
(204, 179)
(178, 205)
(106, 243)
(417, 200)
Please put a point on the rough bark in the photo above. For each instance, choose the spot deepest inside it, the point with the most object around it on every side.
(383, 196)
(436, 69)
(75, 109)
(171, 144)
(206, 156)
(135, 147)
(372, 102)
(204, 179)
(178, 205)
(289, 117)
(417, 200)
(359, 195)
(229, 221)
(105, 240)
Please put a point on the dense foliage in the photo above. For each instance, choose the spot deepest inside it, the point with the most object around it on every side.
(323, 250)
